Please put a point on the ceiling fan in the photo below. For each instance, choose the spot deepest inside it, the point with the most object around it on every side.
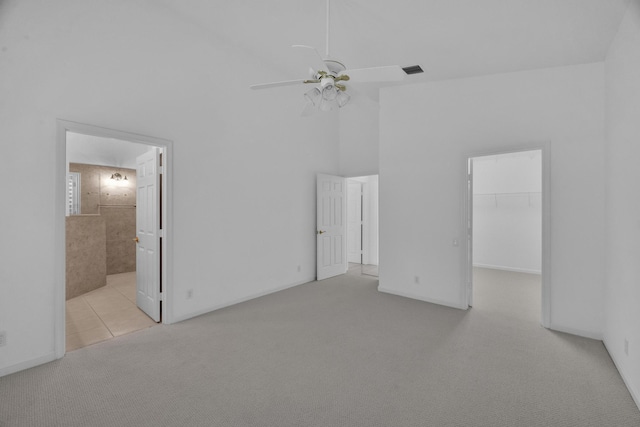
(328, 77)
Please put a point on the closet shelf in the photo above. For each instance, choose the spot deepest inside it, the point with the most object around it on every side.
(495, 195)
(508, 194)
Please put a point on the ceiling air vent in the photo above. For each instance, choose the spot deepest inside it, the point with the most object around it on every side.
(414, 69)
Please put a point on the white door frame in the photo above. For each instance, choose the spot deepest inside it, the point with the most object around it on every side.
(366, 216)
(467, 225)
(361, 221)
(65, 126)
(366, 223)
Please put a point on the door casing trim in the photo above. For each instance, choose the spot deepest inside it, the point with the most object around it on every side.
(64, 126)
(545, 148)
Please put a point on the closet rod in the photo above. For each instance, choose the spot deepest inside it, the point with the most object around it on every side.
(506, 194)
(495, 195)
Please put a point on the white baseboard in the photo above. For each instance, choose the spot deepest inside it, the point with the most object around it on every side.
(574, 331)
(177, 319)
(421, 298)
(50, 357)
(502, 267)
(632, 390)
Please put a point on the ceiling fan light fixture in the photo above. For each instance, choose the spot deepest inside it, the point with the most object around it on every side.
(342, 98)
(329, 93)
(325, 105)
(327, 82)
(328, 75)
(313, 96)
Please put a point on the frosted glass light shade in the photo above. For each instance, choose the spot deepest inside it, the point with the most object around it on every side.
(313, 96)
(342, 98)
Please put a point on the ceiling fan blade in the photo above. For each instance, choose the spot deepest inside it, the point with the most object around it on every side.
(364, 97)
(391, 73)
(277, 84)
(311, 55)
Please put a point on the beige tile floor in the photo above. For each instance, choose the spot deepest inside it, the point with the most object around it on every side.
(105, 313)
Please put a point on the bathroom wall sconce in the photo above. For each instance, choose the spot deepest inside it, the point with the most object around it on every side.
(117, 177)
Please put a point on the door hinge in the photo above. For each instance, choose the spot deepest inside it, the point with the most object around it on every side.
(160, 296)
(161, 233)
(160, 169)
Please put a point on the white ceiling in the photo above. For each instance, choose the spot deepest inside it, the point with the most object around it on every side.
(448, 38)
(95, 150)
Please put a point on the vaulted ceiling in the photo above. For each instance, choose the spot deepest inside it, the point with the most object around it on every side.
(448, 38)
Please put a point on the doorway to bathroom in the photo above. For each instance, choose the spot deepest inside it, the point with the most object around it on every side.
(115, 233)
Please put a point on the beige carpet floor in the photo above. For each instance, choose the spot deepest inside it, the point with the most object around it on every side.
(334, 353)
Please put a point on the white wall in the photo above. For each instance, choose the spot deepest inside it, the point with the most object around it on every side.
(359, 157)
(622, 291)
(426, 131)
(507, 211)
(244, 161)
(359, 137)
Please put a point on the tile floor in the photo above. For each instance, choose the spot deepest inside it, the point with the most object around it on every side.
(105, 313)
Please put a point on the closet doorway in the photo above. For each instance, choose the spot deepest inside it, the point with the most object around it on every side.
(506, 237)
(362, 224)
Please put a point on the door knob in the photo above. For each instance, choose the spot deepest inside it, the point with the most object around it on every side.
(320, 232)
(136, 239)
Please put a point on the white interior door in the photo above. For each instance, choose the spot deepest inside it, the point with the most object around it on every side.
(354, 221)
(148, 284)
(331, 226)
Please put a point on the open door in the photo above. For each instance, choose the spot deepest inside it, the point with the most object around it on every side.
(331, 226)
(148, 286)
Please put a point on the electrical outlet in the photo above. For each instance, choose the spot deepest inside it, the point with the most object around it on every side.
(189, 293)
(416, 280)
(626, 346)
(3, 338)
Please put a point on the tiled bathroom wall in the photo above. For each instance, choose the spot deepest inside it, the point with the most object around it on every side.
(114, 201)
(120, 232)
(86, 254)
